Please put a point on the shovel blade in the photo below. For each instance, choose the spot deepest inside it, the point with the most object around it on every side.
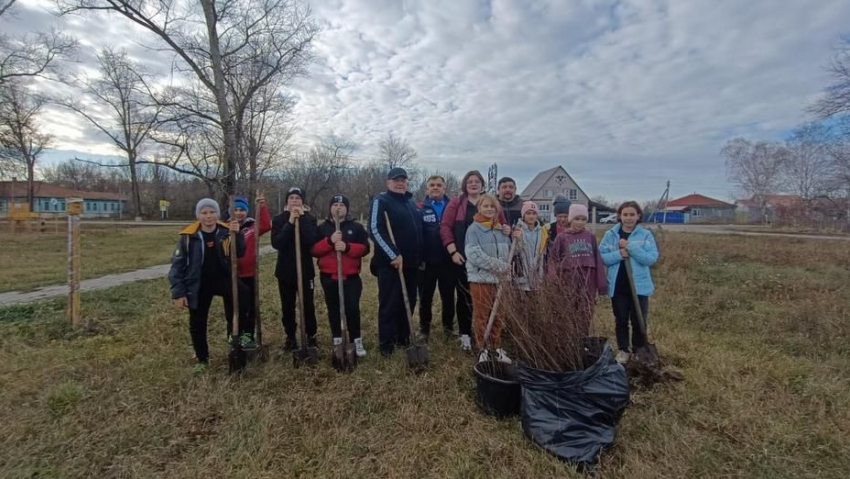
(417, 358)
(647, 355)
(236, 358)
(305, 357)
(338, 357)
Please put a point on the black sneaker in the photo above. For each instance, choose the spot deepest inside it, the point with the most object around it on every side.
(387, 352)
(290, 345)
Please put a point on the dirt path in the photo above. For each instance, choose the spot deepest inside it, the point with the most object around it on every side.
(13, 298)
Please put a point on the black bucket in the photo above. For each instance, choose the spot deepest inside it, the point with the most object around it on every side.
(498, 387)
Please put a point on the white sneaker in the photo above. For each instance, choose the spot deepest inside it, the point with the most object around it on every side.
(466, 343)
(337, 341)
(484, 356)
(622, 357)
(359, 349)
(503, 356)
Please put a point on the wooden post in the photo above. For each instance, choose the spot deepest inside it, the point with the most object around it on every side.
(75, 207)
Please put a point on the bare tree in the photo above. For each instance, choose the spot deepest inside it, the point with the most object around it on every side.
(807, 167)
(396, 152)
(130, 118)
(22, 140)
(754, 168)
(320, 171)
(245, 45)
(30, 55)
(835, 100)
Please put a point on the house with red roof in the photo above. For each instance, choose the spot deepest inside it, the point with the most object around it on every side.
(698, 208)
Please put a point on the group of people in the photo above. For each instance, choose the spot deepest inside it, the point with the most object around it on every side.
(462, 247)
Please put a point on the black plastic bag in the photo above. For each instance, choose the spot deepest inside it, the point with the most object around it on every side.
(574, 415)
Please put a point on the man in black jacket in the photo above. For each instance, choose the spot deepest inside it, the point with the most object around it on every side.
(404, 254)
(511, 202)
(283, 240)
(439, 269)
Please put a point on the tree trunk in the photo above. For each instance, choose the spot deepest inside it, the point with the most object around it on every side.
(230, 146)
(134, 186)
(31, 183)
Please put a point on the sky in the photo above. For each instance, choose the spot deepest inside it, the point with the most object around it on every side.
(625, 94)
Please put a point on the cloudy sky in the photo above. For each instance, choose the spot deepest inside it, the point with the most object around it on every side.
(625, 94)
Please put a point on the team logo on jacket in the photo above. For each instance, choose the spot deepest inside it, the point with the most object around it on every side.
(430, 218)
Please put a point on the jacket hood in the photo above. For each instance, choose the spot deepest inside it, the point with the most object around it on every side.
(525, 227)
(196, 226)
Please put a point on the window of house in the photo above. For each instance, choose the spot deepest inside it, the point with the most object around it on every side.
(695, 212)
(544, 207)
(573, 194)
(61, 205)
(94, 206)
(547, 193)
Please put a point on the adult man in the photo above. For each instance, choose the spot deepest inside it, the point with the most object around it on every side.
(352, 241)
(283, 240)
(439, 268)
(511, 202)
(403, 254)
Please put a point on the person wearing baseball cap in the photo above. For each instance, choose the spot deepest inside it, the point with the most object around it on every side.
(351, 240)
(283, 240)
(404, 254)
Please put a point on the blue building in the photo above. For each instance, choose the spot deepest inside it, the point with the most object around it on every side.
(50, 199)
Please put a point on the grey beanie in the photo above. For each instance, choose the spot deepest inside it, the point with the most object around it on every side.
(561, 205)
(206, 202)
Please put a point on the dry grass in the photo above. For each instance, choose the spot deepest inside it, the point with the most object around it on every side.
(760, 327)
(39, 259)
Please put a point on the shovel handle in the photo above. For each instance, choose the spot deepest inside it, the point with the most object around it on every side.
(401, 277)
(300, 279)
(342, 317)
(256, 299)
(635, 299)
(234, 271)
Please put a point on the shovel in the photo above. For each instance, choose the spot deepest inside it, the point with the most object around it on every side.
(306, 356)
(258, 321)
(417, 353)
(236, 357)
(492, 319)
(343, 358)
(647, 355)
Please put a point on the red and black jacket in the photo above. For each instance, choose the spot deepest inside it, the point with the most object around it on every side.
(356, 247)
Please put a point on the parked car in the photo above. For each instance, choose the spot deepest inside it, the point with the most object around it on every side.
(612, 218)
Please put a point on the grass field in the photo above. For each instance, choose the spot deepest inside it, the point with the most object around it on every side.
(759, 326)
(38, 259)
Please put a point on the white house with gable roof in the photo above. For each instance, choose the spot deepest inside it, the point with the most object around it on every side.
(547, 184)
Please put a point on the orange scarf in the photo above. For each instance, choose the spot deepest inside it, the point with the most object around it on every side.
(489, 224)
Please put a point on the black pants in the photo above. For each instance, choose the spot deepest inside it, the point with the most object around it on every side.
(464, 301)
(624, 310)
(352, 288)
(429, 278)
(247, 308)
(393, 325)
(288, 300)
(199, 316)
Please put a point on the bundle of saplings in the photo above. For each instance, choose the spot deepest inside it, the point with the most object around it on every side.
(573, 392)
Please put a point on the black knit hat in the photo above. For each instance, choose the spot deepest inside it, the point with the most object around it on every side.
(561, 205)
(297, 191)
(340, 199)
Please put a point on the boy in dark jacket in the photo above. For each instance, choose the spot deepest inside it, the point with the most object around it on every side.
(247, 264)
(283, 240)
(404, 255)
(439, 269)
(200, 270)
(352, 241)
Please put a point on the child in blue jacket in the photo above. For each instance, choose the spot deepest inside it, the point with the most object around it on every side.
(628, 240)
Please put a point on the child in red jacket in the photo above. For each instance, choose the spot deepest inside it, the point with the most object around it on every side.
(247, 264)
(353, 242)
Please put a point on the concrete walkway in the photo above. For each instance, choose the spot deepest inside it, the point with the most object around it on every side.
(104, 282)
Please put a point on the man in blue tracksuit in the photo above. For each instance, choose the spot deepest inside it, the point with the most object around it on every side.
(404, 254)
(439, 268)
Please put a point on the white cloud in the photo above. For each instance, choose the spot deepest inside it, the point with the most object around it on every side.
(625, 94)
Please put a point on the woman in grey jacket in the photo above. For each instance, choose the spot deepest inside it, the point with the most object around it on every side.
(487, 259)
